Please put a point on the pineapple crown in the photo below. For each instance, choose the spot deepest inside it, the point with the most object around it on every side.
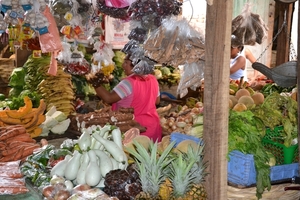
(150, 166)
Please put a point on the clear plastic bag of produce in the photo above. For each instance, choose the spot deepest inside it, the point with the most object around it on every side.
(191, 77)
(175, 43)
(249, 27)
(119, 13)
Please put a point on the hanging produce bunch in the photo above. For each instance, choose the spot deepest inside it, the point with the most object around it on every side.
(58, 91)
(249, 27)
(148, 15)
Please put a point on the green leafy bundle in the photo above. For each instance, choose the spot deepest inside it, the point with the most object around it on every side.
(279, 110)
(245, 134)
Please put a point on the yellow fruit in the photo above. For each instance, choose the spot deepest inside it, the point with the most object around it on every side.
(258, 98)
(230, 104)
(184, 145)
(233, 99)
(239, 107)
(242, 92)
(247, 101)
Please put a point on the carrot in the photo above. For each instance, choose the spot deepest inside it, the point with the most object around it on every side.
(29, 150)
(11, 151)
(21, 138)
(18, 154)
(7, 181)
(19, 143)
(12, 132)
(5, 158)
(13, 190)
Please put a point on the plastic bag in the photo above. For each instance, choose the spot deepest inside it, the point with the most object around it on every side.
(175, 43)
(249, 27)
(191, 77)
(50, 41)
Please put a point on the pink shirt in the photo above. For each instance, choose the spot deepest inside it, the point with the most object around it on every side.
(141, 93)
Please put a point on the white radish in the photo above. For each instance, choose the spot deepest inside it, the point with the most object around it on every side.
(106, 164)
(59, 168)
(93, 173)
(114, 163)
(84, 140)
(73, 166)
(112, 148)
(117, 137)
(80, 178)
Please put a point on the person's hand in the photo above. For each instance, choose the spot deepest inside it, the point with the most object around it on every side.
(96, 79)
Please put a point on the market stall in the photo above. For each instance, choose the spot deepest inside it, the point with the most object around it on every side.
(64, 142)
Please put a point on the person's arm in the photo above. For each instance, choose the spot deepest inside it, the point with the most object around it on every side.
(157, 100)
(250, 56)
(106, 96)
(240, 63)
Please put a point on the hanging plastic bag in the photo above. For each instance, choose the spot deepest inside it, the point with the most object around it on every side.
(50, 41)
(249, 27)
(175, 43)
(191, 77)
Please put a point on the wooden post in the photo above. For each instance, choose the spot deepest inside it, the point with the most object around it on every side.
(283, 39)
(216, 95)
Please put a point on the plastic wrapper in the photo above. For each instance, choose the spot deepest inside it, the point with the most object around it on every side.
(102, 64)
(50, 41)
(119, 13)
(191, 77)
(59, 8)
(118, 3)
(249, 27)
(175, 43)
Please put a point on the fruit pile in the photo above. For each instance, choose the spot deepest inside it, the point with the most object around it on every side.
(26, 116)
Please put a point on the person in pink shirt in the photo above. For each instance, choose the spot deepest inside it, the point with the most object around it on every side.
(140, 92)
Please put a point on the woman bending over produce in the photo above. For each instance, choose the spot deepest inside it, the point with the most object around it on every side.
(140, 92)
(237, 60)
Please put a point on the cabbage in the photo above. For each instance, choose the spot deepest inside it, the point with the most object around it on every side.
(14, 92)
(17, 78)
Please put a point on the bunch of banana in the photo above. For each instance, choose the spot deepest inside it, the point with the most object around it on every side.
(58, 91)
(27, 116)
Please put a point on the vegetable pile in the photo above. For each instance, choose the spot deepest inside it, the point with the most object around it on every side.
(245, 134)
(16, 143)
(26, 116)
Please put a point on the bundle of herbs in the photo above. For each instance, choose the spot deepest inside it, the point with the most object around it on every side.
(279, 110)
(245, 134)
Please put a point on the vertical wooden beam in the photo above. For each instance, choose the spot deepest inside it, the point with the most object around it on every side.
(298, 79)
(216, 95)
(283, 39)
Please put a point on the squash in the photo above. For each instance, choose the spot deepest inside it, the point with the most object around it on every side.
(35, 132)
(22, 111)
(40, 110)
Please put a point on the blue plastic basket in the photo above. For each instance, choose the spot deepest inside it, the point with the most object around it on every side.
(179, 137)
(241, 170)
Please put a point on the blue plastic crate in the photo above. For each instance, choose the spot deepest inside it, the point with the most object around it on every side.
(179, 137)
(241, 170)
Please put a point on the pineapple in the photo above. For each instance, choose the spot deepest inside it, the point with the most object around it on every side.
(197, 190)
(187, 175)
(150, 168)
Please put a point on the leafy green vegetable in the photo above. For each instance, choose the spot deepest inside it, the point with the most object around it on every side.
(278, 110)
(16, 78)
(245, 134)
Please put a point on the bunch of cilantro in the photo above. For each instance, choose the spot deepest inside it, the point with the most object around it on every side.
(245, 133)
